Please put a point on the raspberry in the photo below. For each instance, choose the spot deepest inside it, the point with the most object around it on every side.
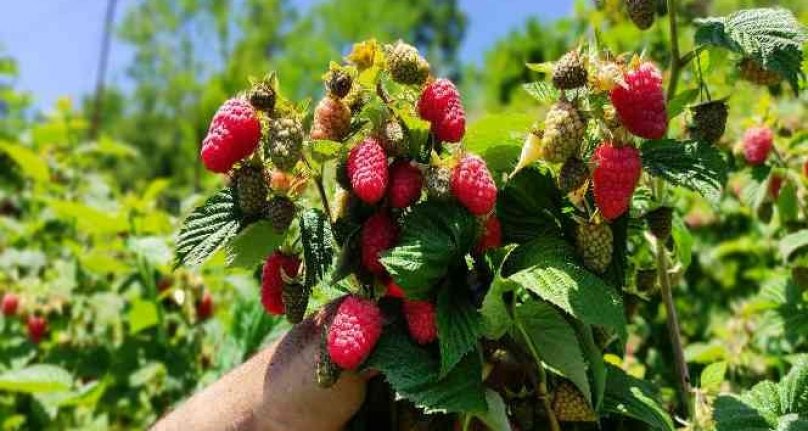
(641, 12)
(757, 74)
(641, 104)
(393, 289)
(405, 64)
(473, 186)
(204, 308)
(37, 327)
(775, 183)
(805, 168)
(757, 143)
(569, 404)
(421, 323)
(573, 175)
(332, 120)
(405, 184)
(659, 222)
(251, 190)
(233, 134)
(284, 142)
(379, 233)
(646, 280)
(10, 304)
(295, 298)
(367, 170)
(280, 211)
(393, 139)
(563, 132)
(327, 372)
(709, 121)
(491, 235)
(440, 104)
(354, 332)
(594, 244)
(439, 183)
(262, 96)
(569, 72)
(272, 280)
(338, 82)
(617, 171)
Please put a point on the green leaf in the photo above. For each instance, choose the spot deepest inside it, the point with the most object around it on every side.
(498, 138)
(771, 36)
(794, 389)
(792, 243)
(323, 150)
(37, 378)
(529, 205)
(683, 241)
(628, 396)
(89, 219)
(594, 361)
(679, 102)
(252, 245)
(555, 342)
(548, 266)
(698, 166)
(414, 374)
(208, 228)
(756, 189)
(142, 315)
(496, 419)
(712, 376)
(542, 91)
(496, 319)
(318, 245)
(787, 202)
(418, 132)
(459, 326)
(435, 237)
(29, 162)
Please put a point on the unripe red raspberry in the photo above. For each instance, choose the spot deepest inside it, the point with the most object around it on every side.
(10, 304)
(491, 235)
(641, 104)
(353, 333)
(272, 280)
(37, 327)
(204, 308)
(757, 143)
(617, 171)
(421, 322)
(332, 120)
(234, 134)
(473, 185)
(440, 104)
(379, 233)
(367, 170)
(406, 181)
(775, 184)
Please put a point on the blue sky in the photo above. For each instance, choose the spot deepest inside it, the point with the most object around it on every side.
(56, 42)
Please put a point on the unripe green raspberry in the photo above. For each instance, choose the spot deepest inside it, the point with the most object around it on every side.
(563, 132)
(642, 12)
(709, 121)
(659, 222)
(438, 183)
(573, 175)
(569, 72)
(284, 142)
(280, 211)
(393, 139)
(295, 301)
(251, 190)
(327, 372)
(594, 244)
(405, 64)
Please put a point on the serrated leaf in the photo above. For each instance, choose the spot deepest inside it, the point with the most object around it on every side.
(208, 228)
(771, 36)
(318, 245)
(529, 205)
(698, 166)
(496, 419)
(756, 189)
(496, 319)
(732, 414)
(793, 390)
(542, 91)
(37, 378)
(418, 133)
(712, 376)
(498, 138)
(29, 162)
(594, 361)
(413, 373)
(792, 243)
(435, 236)
(459, 326)
(555, 342)
(252, 245)
(545, 67)
(628, 396)
(548, 267)
(323, 150)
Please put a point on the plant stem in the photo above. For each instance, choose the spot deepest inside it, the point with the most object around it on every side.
(318, 180)
(676, 60)
(541, 387)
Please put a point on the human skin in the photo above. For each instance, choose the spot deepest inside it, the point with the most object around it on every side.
(275, 390)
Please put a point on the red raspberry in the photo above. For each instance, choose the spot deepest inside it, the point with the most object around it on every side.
(272, 280)
(354, 332)
(775, 183)
(440, 104)
(37, 327)
(757, 142)
(10, 304)
(420, 317)
(393, 289)
(233, 134)
(617, 170)
(473, 186)
(378, 234)
(405, 184)
(491, 236)
(805, 168)
(641, 105)
(367, 170)
(204, 308)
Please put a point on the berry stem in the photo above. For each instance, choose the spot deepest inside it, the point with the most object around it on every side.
(318, 181)
(676, 59)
